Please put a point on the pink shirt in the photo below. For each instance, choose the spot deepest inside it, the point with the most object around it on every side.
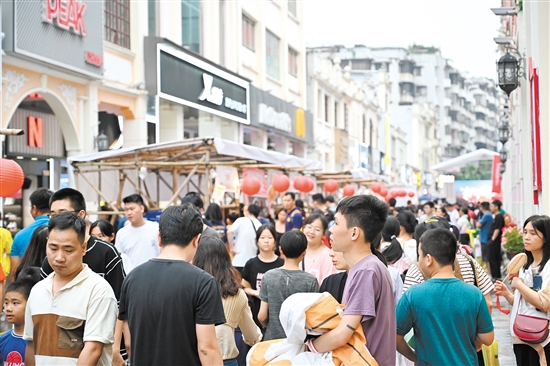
(319, 264)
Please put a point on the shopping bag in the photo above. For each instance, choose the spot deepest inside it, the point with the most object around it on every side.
(490, 354)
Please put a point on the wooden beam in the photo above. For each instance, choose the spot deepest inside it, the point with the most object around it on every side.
(187, 179)
(99, 192)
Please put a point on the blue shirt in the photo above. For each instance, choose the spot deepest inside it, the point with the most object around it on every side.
(12, 349)
(445, 329)
(486, 221)
(22, 238)
(293, 219)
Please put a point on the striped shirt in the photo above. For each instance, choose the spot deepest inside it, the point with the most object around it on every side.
(484, 283)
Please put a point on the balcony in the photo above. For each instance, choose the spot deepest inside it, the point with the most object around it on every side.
(406, 99)
(406, 77)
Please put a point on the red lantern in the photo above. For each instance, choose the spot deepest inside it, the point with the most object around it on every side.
(251, 185)
(310, 185)
(401, 193)
(301, 183)
(392, 194)
(11, 177)
(375, 187)
(349, 190)
(280, 183)
(331, 185)
(411, 194)
(383, 191)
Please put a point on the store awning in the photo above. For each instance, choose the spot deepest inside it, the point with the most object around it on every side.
(459, 161)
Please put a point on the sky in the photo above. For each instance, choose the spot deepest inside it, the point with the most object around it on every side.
(462, 30)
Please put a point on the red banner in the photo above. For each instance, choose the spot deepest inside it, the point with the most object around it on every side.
(495, 174)
(535, 131)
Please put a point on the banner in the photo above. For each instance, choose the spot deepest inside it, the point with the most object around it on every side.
(495, 174)
(228, 177)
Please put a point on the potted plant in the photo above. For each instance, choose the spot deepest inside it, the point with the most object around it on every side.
(512, 241)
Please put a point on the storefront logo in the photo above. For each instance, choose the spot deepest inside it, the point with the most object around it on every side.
(214, 95)
(279, 120)
(211, 93)
(66, 14)
(35, 132)
(94, 59)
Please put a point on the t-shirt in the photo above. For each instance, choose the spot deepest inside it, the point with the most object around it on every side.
(409, 248)
(319, 264)
(334, 285)
(83, 310)
(139, 243)
(12, 349)
(444, 329)
(293, 219)
(497, 224)
(218, 227)
(102, 258)
(244, 229)
(454, 216)
(253, 273)
(484, 283)
(21, 239)
(369, 292)
(163, 300)
(277, 285)
(486, 222)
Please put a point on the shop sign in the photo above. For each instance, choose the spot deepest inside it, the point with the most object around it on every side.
(66, 14)
(35, 132)
(186, 79)
(66, 34)
(278, 120)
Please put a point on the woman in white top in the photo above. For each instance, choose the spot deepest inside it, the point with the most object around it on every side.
(407, 223)
(317, 260)
(531, 294)
(212, 256)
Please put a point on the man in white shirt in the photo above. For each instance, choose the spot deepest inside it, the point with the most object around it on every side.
(139, 240)
(453, 213)
(243, 247)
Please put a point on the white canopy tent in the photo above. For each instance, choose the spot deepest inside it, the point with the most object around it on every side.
(456, 163)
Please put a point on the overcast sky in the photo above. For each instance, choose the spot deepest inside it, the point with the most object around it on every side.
(463, 30)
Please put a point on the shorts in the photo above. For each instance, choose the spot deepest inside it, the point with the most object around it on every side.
(485, 251)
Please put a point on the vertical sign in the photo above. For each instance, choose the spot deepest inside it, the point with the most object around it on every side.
(35, 132)
(495, 174)
(535, 131)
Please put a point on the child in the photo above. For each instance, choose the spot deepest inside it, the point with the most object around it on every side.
(12, 345)
(280, 283)
(454, 330)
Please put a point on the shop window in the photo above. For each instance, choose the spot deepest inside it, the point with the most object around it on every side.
(190, 24)
(117, 22)
(248, 33)
(292, 62)
(292, 9)
(272, 55)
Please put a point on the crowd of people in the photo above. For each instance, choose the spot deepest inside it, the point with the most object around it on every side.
(201, 287)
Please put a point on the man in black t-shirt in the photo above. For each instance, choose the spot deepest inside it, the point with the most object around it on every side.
(495, 231)
(170, 306)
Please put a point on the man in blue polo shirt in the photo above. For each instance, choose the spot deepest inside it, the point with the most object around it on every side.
(293, 214)
(484, 224)
(40, 208)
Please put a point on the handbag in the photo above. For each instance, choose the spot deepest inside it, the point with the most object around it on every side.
(531, 329)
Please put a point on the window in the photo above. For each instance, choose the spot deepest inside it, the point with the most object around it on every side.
(364, 129)
(190, 24)
(248, 33)
(417, 71)
(361, 64)
(346, 117)
(427, 132)
(117, 22)
(336, 114)
(152, 15)
(326, 108)
(292, 62)
(292, 7)
(272, 55)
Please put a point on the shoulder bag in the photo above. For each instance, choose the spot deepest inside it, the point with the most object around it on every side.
(531, 329)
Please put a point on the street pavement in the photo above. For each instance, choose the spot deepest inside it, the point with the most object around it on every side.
(501, 322)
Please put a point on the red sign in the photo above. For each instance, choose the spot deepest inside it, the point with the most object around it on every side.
(67, 14)
(94, 59)
(535, 130)
(35, 132)
(495, 174)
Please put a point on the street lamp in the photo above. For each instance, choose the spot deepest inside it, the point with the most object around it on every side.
(102, 142)
(508, 73)
(503, 154)
(502, 169)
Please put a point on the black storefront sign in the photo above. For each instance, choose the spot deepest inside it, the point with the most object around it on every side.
(186, 78)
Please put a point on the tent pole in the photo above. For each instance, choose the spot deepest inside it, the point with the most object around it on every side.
(99, 192)
(187, 179)
(207, 176)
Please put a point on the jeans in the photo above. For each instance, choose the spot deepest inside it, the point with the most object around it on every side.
(232, 361)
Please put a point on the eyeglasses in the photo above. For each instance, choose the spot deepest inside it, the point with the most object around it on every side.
(315, 229)
(51, 214)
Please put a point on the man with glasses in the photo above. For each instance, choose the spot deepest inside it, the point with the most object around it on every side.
(40, 208)
(101, 257)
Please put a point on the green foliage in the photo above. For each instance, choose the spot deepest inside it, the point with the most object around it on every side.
(513, 240)
(481, 171)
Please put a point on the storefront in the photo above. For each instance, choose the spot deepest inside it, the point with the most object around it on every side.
(277, 125)
(192, 97)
